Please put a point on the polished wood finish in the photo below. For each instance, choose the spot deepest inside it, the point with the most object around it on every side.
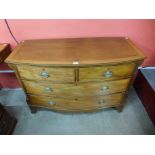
(80, 103)
(55, 74)
(86, 50)
(72, 90)
(82, 74)
(97, 73)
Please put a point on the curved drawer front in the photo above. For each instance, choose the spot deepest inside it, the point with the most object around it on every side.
(106, 72)
(82, 89)
(46, 73)
(77, 103)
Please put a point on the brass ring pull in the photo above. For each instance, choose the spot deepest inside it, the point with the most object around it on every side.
(44, 74)
(107, 74)
(104, 88)
(51, 102)
(48, 89)
(101, 101)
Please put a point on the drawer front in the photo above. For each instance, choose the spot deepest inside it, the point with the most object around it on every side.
(106, 72)
(46, 73)
(82, 89)
(77, 103)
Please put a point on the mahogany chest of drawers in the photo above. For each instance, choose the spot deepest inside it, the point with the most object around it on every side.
(81, 74)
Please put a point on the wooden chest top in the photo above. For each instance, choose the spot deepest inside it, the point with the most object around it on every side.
(85, 51)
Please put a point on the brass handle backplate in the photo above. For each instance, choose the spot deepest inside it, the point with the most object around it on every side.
(51, 102)
(44, 74)
(48, 89)
(104, 88)
(107, 74)
(102, 101)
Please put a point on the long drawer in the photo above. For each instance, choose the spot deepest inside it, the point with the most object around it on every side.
(110, 72)
(77, 103)
(55, 74)
(71, 90)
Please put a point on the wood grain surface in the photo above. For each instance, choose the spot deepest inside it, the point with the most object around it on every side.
(77, 74)
(71, 90)
(55, 74)
(66, 51)
(98, 73)
(77, 103)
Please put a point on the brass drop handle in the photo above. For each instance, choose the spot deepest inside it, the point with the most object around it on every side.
(44, 74)
(101, 101)
(107, 74)
(104, 88)
(51, 102)
(48, 89)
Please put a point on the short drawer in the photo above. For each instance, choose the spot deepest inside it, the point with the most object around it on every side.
(110, 72)
(55, 74)
(77, 103)
(82, 89)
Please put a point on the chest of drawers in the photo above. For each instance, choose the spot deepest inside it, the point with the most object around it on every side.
(82, 74)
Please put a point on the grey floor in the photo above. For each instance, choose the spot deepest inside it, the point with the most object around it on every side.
(132, 121)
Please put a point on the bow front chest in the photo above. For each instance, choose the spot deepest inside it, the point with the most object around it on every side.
(81, 74)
